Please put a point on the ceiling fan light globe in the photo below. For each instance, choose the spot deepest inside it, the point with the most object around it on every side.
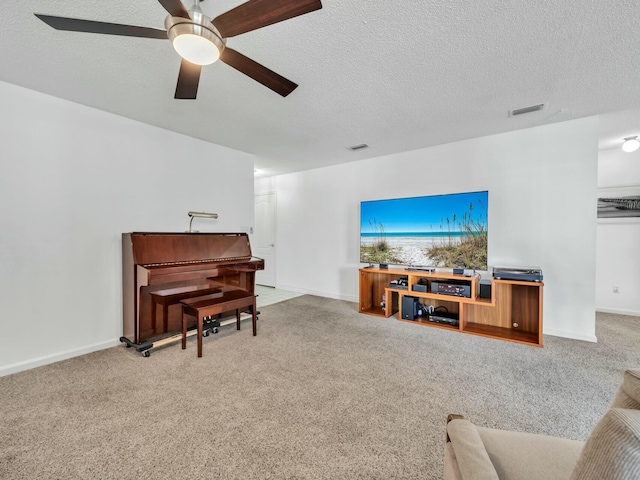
(631, 144)
(196, 49)
(195, 39)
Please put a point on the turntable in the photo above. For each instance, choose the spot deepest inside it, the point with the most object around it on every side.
(525, 274)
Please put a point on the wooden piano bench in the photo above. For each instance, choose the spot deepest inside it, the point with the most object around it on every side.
(213, 304)
(173, 296)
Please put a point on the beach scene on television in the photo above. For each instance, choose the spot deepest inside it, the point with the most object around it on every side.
(448, 231)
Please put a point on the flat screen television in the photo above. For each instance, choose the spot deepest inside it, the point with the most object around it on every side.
(448, 231)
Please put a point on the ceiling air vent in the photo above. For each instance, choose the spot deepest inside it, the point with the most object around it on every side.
(521, 111)
(358, 147)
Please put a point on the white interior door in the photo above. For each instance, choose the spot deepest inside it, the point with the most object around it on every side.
(264, 237)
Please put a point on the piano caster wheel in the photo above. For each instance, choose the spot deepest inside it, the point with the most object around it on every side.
(214, 329)
(205, 333)
(146, 354)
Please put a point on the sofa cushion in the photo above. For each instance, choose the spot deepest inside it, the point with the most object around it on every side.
(470, 453)
(451, 469)
(628, 395)
(612, 451)
(529, 456)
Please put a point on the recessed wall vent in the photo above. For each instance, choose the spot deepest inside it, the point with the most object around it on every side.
(522, 111)
(358, 147)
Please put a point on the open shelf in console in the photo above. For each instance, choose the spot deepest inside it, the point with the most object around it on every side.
(501, 333)
(442, 308)
(516, 315)
(374, 285)
(425, 321)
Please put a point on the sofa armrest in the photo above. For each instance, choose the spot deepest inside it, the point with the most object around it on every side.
(453, 416)
(471, 456)
(628, 395)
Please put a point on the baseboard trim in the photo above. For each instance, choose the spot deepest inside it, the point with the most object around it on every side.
(305, 291)
(572, 335)
(619, 311)
(56, 357)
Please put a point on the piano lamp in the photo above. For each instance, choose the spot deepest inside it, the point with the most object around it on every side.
(199, 215)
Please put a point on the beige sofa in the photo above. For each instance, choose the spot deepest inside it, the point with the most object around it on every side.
(612, 451)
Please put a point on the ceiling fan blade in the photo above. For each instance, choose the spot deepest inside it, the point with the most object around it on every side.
(90, 26)
(259, 73)
(259, 13)
(175, 8)
(188, 80)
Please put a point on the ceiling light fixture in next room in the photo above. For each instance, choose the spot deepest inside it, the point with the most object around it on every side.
(358, 147)
(631, 144)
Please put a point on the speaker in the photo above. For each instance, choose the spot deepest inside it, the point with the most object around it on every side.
(409, 307)
(419, 288)
(485, 288)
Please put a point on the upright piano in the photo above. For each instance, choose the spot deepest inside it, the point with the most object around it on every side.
(157, 262)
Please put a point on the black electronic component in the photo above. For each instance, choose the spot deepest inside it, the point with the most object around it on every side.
(410, 306)
(451, 288)
(525, 274)
(485, 288)
(444, 318)
(401, 283)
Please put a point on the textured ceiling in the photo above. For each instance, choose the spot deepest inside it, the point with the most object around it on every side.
(397, 75)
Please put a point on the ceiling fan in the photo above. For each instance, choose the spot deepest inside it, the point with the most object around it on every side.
(200, 40)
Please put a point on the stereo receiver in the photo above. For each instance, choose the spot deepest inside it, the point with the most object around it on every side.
(448, 288)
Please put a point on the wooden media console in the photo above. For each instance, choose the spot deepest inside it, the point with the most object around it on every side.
(513, 313)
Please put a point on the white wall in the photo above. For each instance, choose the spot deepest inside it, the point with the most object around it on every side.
(542, 211)
(73, 180)
(617, 257)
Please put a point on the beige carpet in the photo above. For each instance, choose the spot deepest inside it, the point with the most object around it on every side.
(321, 393)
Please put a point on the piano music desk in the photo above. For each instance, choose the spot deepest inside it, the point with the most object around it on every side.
(173, 296)
(229, 298)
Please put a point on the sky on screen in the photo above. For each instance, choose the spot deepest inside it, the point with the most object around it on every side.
(421, 214)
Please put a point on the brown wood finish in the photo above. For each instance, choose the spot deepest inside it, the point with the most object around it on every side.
(129, 292)
(175, 8)
(92, 26)
(173, 296)
(373, 284)
(513, 313)
(156, 262)
(270, 79)
(392, 303)
(256, 14)
(175, 249)
(498, 314)
(503, 333)
(524, 308)
(188, 81)
(224, 300)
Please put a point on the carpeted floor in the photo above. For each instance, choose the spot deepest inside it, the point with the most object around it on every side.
(321, 393)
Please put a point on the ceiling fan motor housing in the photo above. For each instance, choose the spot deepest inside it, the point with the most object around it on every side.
(199, 25)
